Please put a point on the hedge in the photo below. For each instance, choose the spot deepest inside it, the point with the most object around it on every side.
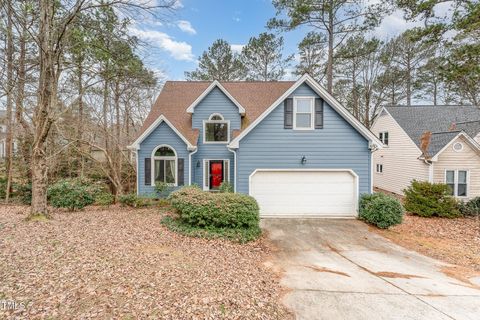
(380, 210)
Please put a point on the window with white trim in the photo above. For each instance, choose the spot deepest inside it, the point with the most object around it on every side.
(379, 168)
(457, 180)
(216, 129)
(383, 136)
(303, 113)
(164, 165)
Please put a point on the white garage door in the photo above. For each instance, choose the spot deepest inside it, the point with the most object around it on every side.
(305, 193)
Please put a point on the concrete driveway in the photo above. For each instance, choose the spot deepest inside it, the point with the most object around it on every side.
(337, 269)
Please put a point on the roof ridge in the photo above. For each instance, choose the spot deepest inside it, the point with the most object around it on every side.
(452, 131)
(470, 121)
(234, 81)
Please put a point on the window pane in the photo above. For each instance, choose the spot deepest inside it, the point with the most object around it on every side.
(170, 171)
(216, 117)
(462, 190)
(462, 177)
(385, 138)
(304, 120)
(452, 188)
(164, 152)
(216, 132)
(304, 105)
(450, 177)
(159, 172)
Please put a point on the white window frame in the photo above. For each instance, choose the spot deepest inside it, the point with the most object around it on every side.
(379, 168)
(312, 113)
(205, 122)
(152, 164)
(381, 137)
(455, 181)
(206, 169)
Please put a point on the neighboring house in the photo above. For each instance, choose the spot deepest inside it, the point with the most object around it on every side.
(428, 143)
(289, 144)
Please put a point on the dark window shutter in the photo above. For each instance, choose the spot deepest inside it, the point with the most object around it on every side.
(318, 113)
(181, 171)
(288, 113)
(148, 171)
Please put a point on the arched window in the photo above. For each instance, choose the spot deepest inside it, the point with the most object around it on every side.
(216, 129)
(164, 165)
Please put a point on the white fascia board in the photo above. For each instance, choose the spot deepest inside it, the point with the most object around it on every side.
(136, 144)
(214, 84)
(367, 134)
(469, 140)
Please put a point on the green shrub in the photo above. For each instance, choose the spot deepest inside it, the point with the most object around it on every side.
(470, 208)
(381, 210)
(430, 199)
(104, 199)
(163, 189)
(3, 187)
(72, 194)
(220, 210)
(134, 201)
(23, 192)
(225, 187)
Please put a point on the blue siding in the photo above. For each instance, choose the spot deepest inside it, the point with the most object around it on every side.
(215, 102)
(163, 134)
(337, 145)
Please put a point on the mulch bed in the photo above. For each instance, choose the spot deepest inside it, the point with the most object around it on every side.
(456, 241)
(123, 264)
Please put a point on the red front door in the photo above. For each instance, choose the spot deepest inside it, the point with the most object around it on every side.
(216, 174)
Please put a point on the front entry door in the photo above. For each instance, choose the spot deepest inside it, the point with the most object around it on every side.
(216, 174)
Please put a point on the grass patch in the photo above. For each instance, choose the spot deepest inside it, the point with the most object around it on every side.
(38, 217)
(241, 235)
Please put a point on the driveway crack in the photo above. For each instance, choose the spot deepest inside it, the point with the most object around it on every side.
(335, 250)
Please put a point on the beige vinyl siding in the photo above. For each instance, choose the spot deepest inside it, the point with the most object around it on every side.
(399, 159)
(477, 138)
(467, 159)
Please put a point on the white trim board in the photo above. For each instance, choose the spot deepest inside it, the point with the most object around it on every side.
(367, 134)
(214, 84)
(136, 144)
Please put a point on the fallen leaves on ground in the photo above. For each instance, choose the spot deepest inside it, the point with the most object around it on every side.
(122, 263)
(456, 241)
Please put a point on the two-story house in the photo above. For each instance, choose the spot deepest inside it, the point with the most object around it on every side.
(429, 143)
(289, 144)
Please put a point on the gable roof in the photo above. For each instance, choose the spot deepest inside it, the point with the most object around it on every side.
(177, 96)
(256, 98)
(215, 84)
(445, 123)
(354, 122)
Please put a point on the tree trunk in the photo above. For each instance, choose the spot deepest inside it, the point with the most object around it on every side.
(80, 114)
(42, 118)
(10, 86)
(330, 32)
(409, 80)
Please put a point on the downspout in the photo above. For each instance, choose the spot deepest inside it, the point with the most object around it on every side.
(190, 166)
(234, 169)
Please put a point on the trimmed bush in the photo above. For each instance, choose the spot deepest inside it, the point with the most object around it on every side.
(220, 210)
(225, 187)
(72, 194)
(470, 208)
(380, 210)
(427, 199)
(104, 199)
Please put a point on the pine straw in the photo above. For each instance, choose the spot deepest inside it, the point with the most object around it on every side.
(122, 263)
(456, 241)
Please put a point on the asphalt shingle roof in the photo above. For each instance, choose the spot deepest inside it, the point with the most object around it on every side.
(417, 120)
(177, 96)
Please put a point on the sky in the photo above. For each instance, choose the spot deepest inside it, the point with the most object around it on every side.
(173, 46)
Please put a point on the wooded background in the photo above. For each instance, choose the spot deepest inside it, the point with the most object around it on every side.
(75, 89)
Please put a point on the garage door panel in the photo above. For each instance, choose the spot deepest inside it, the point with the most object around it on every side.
(304, 193)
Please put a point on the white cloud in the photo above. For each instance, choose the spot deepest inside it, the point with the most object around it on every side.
(237, 48)
(179, 50)
(178, 4)
(236, 19)
(393, 25)
(186, 26)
